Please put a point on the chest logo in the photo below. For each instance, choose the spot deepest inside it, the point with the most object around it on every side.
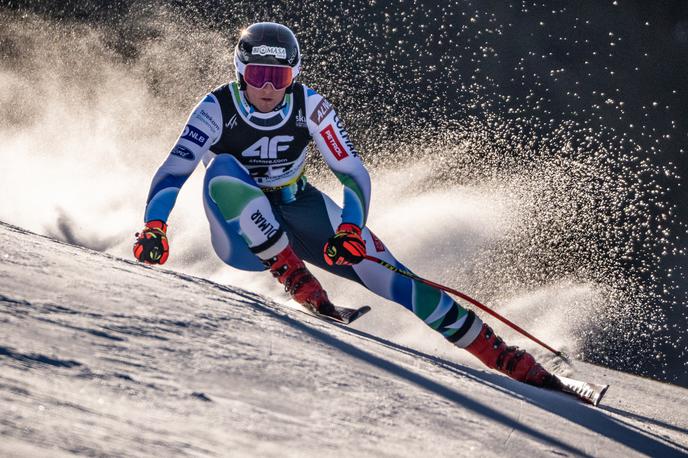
(300, 119)
(232, 123)
(268, 148)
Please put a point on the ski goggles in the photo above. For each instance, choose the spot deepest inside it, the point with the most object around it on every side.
(258, 75)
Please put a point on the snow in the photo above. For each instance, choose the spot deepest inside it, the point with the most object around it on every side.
(104, 356)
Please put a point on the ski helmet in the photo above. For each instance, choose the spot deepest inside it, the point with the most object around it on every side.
(267, 44)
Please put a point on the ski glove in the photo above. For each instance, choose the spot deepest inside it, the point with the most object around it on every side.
(346, 247)
(151, 246)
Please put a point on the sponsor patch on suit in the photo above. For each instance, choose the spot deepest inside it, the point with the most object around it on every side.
(194, 135)
(321, 111)
(336, 147)
(183, 152)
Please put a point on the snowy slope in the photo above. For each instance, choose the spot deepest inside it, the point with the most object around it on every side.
(104, 356)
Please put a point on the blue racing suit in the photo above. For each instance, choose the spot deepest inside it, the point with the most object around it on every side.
(258, 200)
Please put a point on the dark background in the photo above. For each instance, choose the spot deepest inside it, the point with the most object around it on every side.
(613, 73)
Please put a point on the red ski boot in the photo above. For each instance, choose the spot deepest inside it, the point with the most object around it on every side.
(301, 285)
(517, 364)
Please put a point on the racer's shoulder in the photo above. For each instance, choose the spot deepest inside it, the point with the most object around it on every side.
(208, 110)
(311, 94)
(220, 92)
(317, 106)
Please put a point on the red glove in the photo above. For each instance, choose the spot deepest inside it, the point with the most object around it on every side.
(346, 247)
(151, 244)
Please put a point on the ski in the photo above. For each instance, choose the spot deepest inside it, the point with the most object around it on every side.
(343, 315)
(590, 393)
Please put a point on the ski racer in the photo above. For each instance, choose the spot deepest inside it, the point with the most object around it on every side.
(251, 135)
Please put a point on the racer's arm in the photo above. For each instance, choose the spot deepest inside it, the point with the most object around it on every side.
(332, 140)
(202, 130)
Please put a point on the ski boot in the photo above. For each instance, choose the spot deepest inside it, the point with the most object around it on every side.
(301, 285)
(517, 364)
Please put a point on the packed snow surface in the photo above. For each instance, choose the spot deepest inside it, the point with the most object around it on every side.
(104, 356)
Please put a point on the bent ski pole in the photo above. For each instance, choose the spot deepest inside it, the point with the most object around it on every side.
(463, 296)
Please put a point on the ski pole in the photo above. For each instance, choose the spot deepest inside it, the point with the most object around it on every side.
(465, 297)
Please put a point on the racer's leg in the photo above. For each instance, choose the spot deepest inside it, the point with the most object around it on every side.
(243, 227)
(312, 219)
(247, 235)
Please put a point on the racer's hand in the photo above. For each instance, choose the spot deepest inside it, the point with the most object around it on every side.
(346, 247)
(151, 246)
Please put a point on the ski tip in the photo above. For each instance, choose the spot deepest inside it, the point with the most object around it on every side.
(602, 391)
(364, 309)
(343, 315)
(590, 393)
(358, 313)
